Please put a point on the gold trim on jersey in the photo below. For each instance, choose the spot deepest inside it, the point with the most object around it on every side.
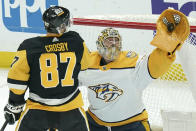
(85, 117)
(85, 58)
(139, 117)
(76, 103)
(21, 117)
(6, 58)
(52, 35)
(125, 60)
(146, 125)
(20, 68)
(17, 91)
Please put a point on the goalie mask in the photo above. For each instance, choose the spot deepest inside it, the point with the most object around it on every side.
(56, 19)
(109, 44)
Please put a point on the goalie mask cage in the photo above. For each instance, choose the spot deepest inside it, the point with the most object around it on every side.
(172, 90)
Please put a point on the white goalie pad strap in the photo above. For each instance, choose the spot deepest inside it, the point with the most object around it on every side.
(51, 102)
(16, 86)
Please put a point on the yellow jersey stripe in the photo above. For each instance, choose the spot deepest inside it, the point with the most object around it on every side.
(139, 117)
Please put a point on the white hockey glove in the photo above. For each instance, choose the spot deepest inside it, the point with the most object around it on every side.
(172, 30)
(12, 112)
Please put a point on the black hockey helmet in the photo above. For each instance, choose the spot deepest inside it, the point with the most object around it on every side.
(56, 19)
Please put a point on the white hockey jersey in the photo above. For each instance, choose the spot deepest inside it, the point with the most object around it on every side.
(115, 89)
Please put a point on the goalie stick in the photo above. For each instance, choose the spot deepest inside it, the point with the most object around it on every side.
(4, 125)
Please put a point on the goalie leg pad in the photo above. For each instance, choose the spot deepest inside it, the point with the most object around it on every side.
(172, 29)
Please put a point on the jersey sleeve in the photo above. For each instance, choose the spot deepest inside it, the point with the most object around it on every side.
(159, 62)
(18, 76)
(85, 57)
(81, 77)
(141, 74)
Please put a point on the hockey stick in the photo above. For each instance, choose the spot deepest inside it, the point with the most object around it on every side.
(4, 126)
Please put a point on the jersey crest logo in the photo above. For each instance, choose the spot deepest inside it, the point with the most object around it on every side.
(106, 92)
(131, 54)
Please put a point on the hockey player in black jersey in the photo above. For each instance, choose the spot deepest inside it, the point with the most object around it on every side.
(47, 67)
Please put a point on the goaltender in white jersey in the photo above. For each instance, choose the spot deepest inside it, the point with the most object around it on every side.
(115, 79)
(115, 89)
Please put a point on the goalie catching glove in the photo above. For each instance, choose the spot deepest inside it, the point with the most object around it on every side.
(12, 112)
(172, 30)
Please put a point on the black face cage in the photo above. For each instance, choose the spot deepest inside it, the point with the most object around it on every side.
(53, 21)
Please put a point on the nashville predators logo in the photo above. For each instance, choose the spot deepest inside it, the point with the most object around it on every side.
(106, 92)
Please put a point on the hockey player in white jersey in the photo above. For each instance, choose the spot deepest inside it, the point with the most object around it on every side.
(116, 79)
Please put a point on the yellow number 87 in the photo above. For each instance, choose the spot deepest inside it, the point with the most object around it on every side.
(49, 69)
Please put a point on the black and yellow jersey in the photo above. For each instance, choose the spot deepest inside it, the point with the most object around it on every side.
(48, 67)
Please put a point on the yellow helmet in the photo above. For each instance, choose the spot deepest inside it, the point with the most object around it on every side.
(109, 44)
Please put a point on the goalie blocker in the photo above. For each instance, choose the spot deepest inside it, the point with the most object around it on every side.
(172, 30)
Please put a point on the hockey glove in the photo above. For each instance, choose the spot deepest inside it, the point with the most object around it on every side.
(12, 112)
(172, 30)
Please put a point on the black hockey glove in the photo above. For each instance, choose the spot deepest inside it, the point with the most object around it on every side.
(12, 112)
